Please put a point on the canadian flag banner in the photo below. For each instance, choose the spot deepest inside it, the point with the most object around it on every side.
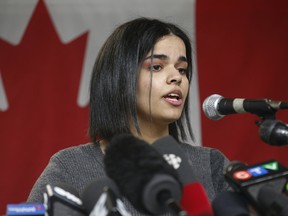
(48, 48)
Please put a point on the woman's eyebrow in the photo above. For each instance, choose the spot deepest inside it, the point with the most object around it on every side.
(165, 57)
(182, 58)
(158, 56)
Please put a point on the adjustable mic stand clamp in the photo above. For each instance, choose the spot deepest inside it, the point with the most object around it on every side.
(265, 115)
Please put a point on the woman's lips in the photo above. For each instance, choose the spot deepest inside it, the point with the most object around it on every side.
(174, 101)
(174, 98)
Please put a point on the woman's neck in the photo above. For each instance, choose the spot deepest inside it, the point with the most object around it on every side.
(150, 132)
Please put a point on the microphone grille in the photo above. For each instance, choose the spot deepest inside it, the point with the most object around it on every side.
(210, 106)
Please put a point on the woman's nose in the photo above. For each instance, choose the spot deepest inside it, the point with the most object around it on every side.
(174, 77)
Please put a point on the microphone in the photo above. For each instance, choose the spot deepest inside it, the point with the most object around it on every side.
(230, 203)
(102, 198)
(62, 200)
(171, 151)
(274, 132)
(249, 180)
(194, 199)
(142, 175)
(215, 106)
(272, 202)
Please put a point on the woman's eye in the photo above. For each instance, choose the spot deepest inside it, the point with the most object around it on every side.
(155, 67)
(182, 70)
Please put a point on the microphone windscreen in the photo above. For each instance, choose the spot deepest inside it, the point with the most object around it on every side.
(95, 189)
(132, 163)
(230, 203)
(175, 156)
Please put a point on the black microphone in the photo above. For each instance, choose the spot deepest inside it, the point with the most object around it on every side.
(102, 198)
(194, 199)
(249, 180)
(142, 175)
(62, 200)
(274, 132)
(215, 106)
(230, 203)
(273, 203)
(171, 151)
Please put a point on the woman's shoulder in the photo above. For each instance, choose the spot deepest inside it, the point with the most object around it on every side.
(202, 151)
(84, 159)
(77, 149)
(83, 151)
(208, 157)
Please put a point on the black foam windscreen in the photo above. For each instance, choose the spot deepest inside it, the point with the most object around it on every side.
(132, 164)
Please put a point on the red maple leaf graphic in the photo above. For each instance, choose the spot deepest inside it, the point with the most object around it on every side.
(41, 78)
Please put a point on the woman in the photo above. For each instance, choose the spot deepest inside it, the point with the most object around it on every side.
(140, 85)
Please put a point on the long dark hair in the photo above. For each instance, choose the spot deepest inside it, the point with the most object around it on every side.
(115, 73)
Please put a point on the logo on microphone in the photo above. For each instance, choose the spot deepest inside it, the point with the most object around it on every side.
(257, 171)
(173, 160)
(242, 175)
(271, 166)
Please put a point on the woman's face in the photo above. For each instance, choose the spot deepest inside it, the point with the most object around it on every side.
(169, 82)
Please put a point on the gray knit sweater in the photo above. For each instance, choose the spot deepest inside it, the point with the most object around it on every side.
(78, 166)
